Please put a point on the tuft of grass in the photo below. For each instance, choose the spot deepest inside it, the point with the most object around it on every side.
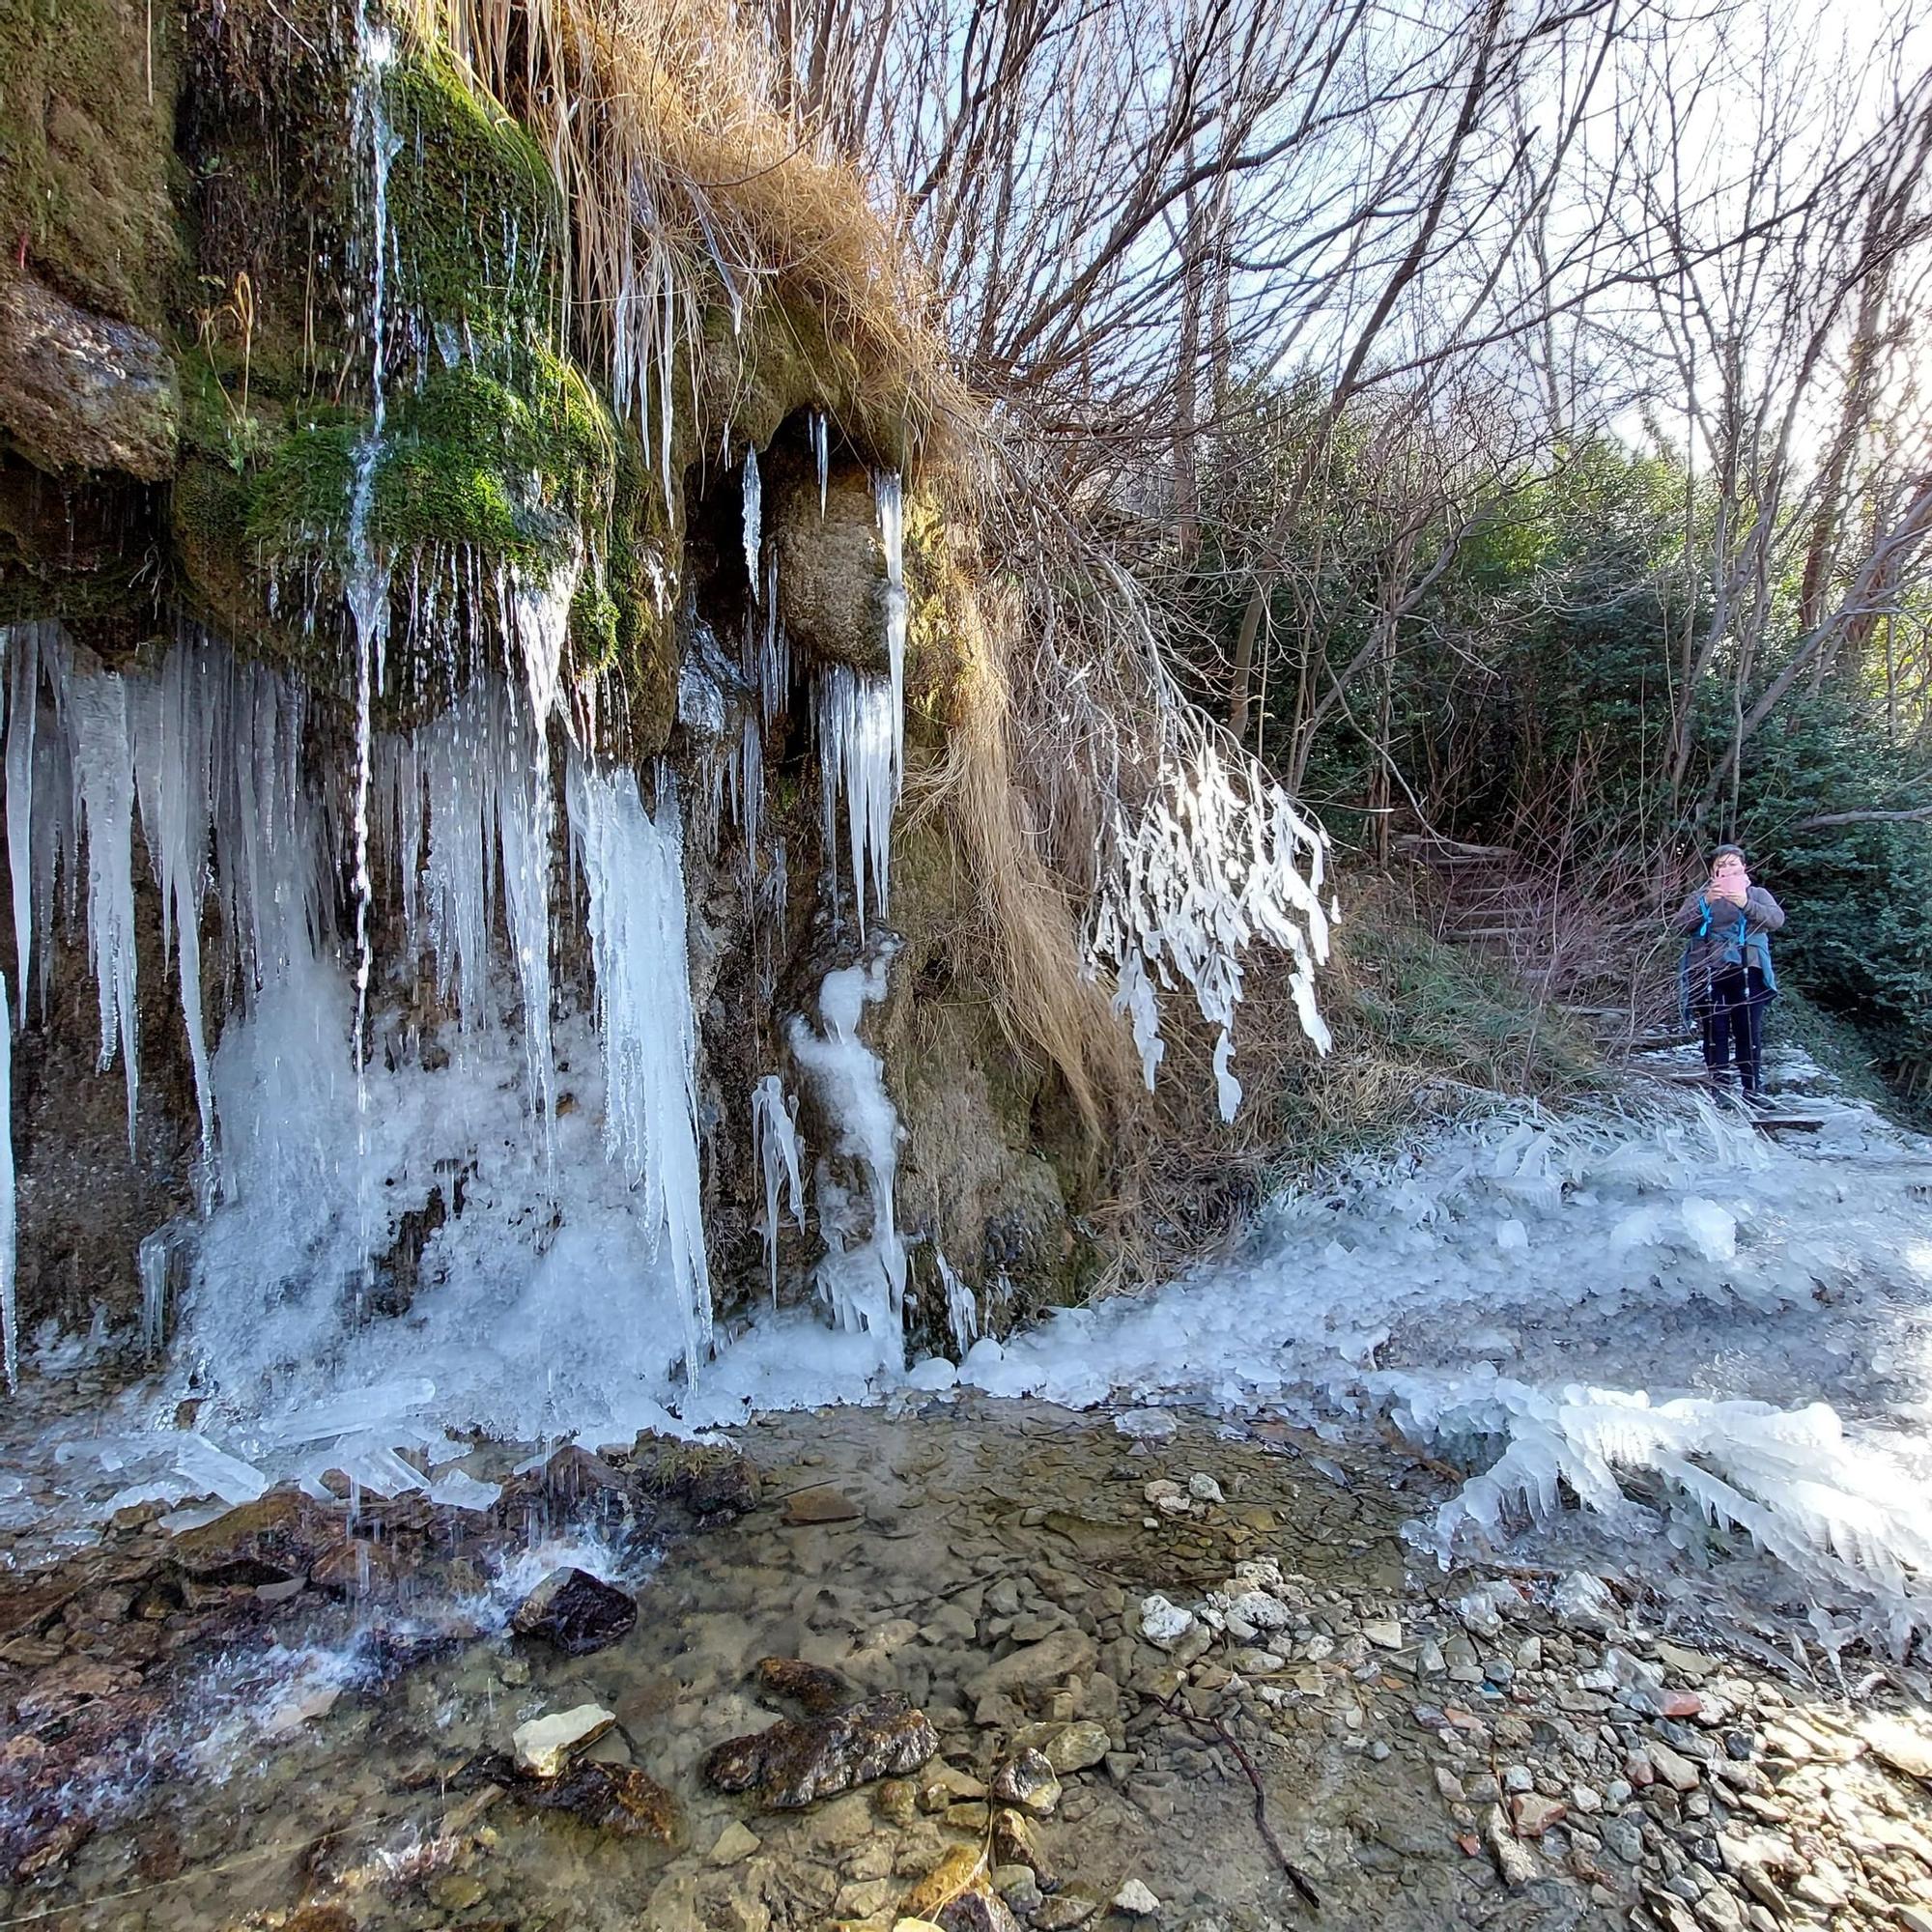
(689, 198)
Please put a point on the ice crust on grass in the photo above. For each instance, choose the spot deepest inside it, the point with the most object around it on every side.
(1217, 861)
(1665, 1327)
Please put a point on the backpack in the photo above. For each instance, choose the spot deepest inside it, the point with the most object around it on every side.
(1744, 948)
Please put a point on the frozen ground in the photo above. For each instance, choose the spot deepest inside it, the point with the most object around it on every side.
(1661, 1313)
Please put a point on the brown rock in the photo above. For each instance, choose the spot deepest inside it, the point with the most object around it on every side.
(80, 393)
(810, 1688)
(798, 1760)
(1533, 1815)
(963, 1866)
(616, 1798)
(832, 570)
(576, 1612)
(819, 1506)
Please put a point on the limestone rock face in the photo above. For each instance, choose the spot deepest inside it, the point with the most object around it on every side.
(832, 572)
(80, 393)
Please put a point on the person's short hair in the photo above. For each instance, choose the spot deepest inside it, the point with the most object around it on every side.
(1726, 852)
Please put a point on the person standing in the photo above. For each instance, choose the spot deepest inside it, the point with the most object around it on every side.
(1726, 973)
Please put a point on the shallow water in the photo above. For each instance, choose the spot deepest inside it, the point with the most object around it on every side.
(358, 1808)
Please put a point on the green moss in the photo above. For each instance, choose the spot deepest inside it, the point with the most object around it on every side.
(474, 206)
(87, 115)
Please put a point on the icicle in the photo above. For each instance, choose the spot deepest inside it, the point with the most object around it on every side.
(150, 1263)
(821, 446)
(753, 515)
(962, 1309)
(1227, 1089)
(526, 817)
(23, 711)
(889, 495)
(634, 873)
(463, 815)
(862, 1275)
(855, 729)
(775, 1146)
(10, 1340)
(104, 780)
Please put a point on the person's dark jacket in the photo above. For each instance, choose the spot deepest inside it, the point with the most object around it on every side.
(1717, 945)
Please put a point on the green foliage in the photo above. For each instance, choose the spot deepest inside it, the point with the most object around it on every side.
(1441, 1008)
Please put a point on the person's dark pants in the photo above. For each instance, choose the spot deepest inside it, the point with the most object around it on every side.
(1734, 1026)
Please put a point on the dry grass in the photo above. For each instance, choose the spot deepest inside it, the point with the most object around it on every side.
(1029, 931)
(685, 189)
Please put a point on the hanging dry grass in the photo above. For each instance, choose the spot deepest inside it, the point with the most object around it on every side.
(1046, 1002)
(686, 190)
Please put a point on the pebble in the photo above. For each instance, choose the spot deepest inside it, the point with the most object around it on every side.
(1204, 1488)
(1679, 1773)
(734, 1842)
(1136, 1900)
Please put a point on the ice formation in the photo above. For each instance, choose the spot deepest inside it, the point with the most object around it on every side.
(1218, 860)
(774, 1149)
(862, 1275)
(754, 520)
(1561, 1305)
(859, 723)
(962, 1309)
(9, 1341)
(634, 868)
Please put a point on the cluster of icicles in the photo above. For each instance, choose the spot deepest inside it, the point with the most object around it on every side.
(350, 1088)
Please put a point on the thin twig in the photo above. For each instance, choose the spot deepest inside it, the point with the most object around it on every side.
(1297, 1877)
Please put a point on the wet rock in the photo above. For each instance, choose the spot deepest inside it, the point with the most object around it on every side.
(615, 1798)
(808, 1687)
(798, 1760)
(1076, 1746)
(278, 1536)
(576, 1612)
(1029, 1782)
(1064, 1911)
(1015, 1843)
(1135, 1900)
(820, 1506)
(1066, 1653)
(544, 1745)
(712, 1484)
(978, 1909)
(896, 1802)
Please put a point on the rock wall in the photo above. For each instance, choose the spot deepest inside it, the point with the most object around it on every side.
(187, 402)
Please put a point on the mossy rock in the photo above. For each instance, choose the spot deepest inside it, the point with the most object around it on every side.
(87, 154)
(474, 211)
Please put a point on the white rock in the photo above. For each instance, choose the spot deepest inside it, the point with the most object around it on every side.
(1260, 1612)
(1384, 1636)
(1163, 1624)
(1136, 1900)
(1204, 1488)
(290, 1717)
(544, 1744)
(1482, 1610)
